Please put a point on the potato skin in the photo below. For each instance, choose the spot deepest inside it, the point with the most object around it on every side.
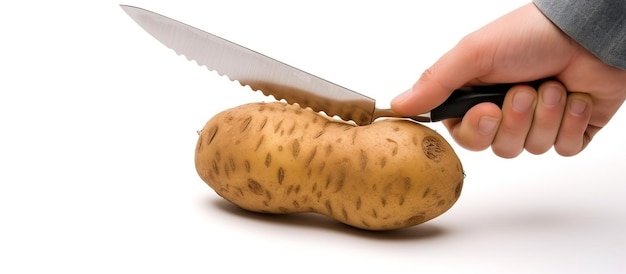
(281, 158)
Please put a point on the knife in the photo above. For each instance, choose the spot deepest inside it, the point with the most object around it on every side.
(288, 83)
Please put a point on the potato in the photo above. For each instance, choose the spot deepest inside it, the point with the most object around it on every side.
(281, 158)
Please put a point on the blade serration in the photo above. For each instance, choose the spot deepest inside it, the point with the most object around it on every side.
(255, 70)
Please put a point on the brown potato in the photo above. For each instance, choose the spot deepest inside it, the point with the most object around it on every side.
(281, 158)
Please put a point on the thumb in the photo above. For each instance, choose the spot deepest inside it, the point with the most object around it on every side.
(458, 67)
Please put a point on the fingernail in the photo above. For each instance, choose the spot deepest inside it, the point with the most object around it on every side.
(402, 96)
(577, 107)
(551, 96)
(522, 101)
(487, 125)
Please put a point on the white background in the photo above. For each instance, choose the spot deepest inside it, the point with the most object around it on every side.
(98, 128)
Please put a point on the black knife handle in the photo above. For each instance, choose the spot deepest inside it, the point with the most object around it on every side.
(461, 100)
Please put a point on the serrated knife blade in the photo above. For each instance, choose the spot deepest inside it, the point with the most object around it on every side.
(283, 81)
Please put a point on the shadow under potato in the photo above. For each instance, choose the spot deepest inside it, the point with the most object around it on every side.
(318, 221)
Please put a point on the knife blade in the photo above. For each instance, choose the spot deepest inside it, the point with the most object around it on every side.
(284, 82)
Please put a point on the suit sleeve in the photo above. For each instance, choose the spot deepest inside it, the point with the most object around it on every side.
(598, 25)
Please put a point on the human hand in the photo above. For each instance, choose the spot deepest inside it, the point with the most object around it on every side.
(522, 46)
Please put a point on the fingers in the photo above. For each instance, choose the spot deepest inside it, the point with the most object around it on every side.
(510, 49)
(453, 70)
(430, 90)
(546, 122)
(534, 120)
(573, 134)
(478, 128)
(505, 129)
(518, 111)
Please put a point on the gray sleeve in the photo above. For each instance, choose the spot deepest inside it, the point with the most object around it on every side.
(598, 25)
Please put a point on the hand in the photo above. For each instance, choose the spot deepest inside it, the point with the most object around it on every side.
(522, 46)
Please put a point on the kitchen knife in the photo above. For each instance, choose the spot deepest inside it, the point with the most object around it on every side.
(282, 81)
